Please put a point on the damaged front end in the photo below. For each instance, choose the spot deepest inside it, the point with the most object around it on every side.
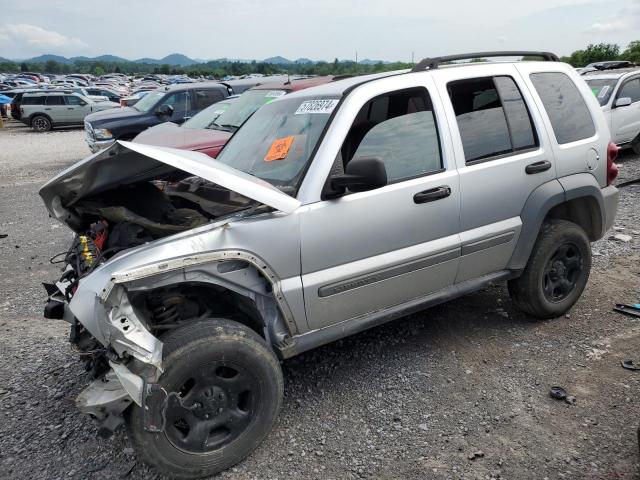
(152, 251)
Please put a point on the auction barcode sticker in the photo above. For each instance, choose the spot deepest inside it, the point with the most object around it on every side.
(317, 106)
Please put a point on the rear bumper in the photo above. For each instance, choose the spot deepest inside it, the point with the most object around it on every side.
(610, 196)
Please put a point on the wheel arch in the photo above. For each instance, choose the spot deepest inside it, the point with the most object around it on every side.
(237, 281)
(576, 198)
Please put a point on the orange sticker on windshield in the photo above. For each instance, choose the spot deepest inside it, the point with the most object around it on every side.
(279, 149)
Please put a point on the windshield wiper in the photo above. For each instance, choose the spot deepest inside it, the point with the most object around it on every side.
(224, 128)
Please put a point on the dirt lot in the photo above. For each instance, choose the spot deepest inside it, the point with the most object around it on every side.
(459, 391)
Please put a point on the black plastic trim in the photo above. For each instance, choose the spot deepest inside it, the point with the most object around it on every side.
(487, 243)
(433, 63)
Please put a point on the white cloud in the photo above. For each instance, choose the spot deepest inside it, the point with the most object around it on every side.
(502, 39)
(37, 38)
(624, 20)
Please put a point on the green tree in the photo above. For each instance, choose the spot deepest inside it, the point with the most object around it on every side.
(98, 71)
(632, 53)
(165, 69)
(51, 66)
(24, 67)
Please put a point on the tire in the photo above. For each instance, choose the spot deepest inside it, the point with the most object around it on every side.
(635, 145)
(199, 362)
(557, 271)
(40, 123)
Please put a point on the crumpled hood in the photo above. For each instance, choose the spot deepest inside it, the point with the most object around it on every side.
(171, 135)
(125, 163)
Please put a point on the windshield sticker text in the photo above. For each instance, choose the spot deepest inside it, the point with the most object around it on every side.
(274, 94)
(317, 106)
(279, 149)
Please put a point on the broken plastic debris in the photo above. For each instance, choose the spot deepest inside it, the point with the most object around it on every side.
(558, 393)
(630, 365)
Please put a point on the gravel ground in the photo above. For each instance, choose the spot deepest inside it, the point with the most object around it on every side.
(458, 391)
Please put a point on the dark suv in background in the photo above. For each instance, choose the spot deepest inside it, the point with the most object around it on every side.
(176, 103)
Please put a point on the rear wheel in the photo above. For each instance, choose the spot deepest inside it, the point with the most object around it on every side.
(225, 391)
(40, 123)
(557, 271)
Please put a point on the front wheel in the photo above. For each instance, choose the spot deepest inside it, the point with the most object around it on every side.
(225, 391)
(557, 271)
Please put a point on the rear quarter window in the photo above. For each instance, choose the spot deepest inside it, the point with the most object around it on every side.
(33, 100)
(568, 113)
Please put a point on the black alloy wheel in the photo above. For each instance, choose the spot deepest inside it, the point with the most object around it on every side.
(562, 272)
(214, 406)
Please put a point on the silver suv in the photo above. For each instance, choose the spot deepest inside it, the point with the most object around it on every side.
(332, 210)
(44, 111)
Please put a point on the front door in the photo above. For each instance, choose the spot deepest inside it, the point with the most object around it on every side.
(367, 251)
(76, 110)
(625, 121)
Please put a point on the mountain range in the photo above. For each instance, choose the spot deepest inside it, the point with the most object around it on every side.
(174, 59)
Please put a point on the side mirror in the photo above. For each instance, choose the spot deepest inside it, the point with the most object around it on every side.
(361, 174)
(623, 102)
(165, 110)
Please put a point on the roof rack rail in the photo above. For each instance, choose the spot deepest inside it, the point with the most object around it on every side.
(433, 63)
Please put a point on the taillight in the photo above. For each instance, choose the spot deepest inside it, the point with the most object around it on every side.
(612, 168)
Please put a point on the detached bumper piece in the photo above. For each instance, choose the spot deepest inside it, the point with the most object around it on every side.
(104, 400)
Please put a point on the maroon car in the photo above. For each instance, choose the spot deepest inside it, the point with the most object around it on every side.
(209, 130)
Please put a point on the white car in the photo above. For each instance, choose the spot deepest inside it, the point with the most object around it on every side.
(618, 91)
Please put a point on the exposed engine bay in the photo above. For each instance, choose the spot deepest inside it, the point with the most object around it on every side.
(133, 215)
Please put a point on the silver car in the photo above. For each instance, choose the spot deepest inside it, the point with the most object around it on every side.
(332, 210)
(46, 110)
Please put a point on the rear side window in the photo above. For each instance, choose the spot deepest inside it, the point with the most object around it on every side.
(55, 100)
(73, 100)
(567, 110)
(631, 90)
(33, 100)
(204, 98)
(492, 117)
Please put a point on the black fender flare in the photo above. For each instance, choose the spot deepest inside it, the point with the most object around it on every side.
(541, 201)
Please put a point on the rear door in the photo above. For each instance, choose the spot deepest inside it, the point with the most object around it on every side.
(365, 252)
(625, 121)
(56, 108)
(502, 153)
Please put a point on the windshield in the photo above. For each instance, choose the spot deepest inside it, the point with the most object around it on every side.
(276, 143)
(244, 107)
(602, 88)
(206, 117)
(147, 102)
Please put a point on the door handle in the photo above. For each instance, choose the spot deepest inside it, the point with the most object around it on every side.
(70, 108)
(432, 194)
(47, 109)
(538, 167)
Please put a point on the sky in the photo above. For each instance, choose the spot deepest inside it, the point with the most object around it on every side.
(321, 30)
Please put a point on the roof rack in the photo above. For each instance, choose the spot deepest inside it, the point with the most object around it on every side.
(433, 63)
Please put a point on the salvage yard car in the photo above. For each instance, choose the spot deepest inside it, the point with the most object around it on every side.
(209, 130)
(332, 210)
(176, 103)
(618, 91)
(49, 109)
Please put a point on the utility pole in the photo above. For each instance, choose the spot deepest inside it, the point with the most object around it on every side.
(356, 56)
(412, 54)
